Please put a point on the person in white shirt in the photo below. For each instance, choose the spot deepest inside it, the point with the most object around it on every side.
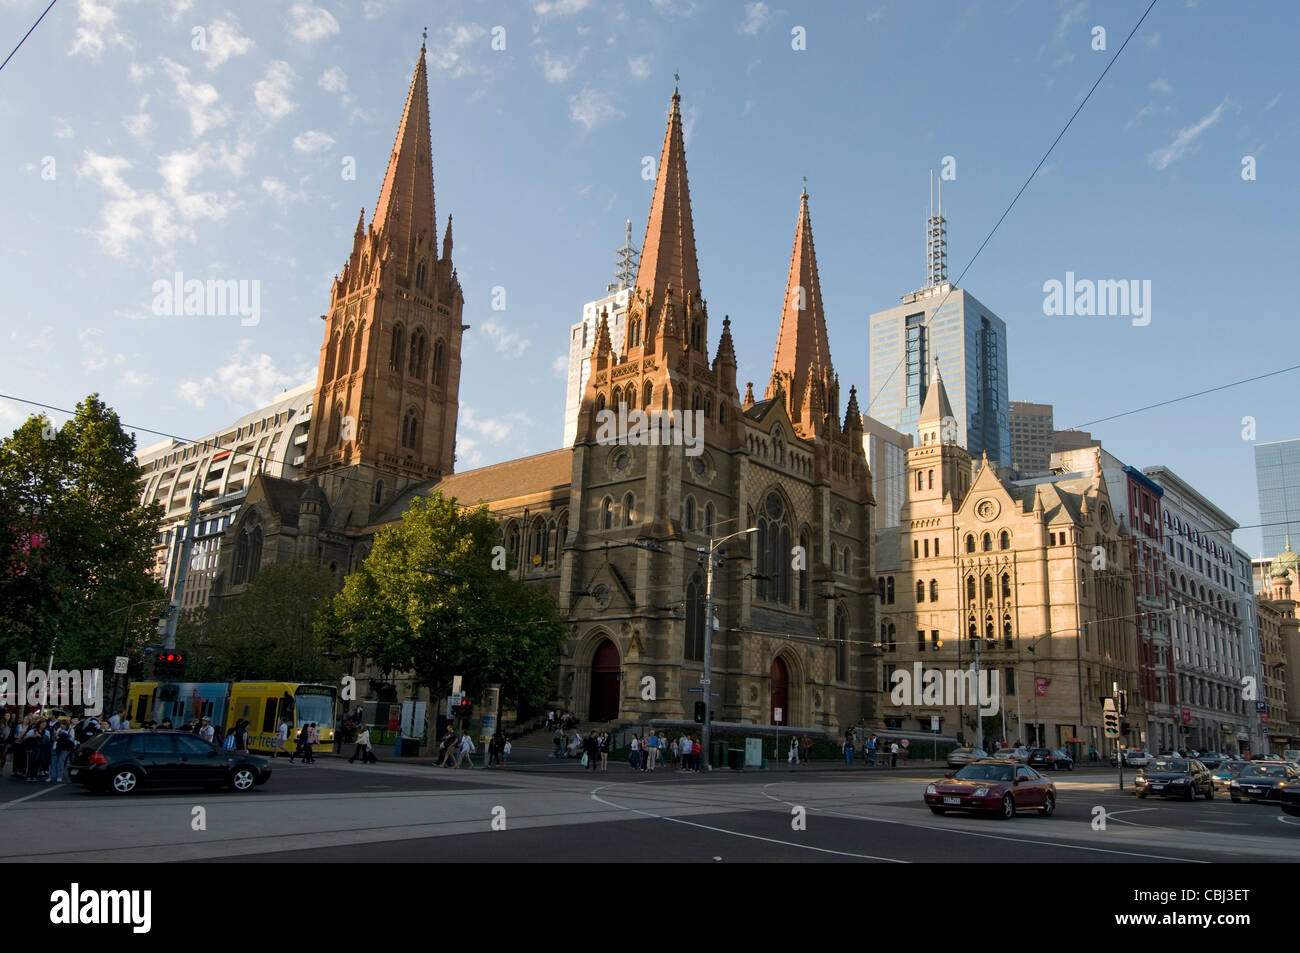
(467, 750)
(893, 755)
(205, 732)
(684, 752)
(281, 738)
(363, 746)
(115, 722)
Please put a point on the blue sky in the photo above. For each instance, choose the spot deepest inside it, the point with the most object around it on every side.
(128, 154)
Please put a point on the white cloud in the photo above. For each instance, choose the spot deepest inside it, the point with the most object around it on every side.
(1160, 85)
(250, 380)
(505, 340)
(1185, 141)
(271, 93)
(592, 107)
(639, 67)
(224, 41)
(333, 80)
(199, 99)
(559, 8)
(139, 124)
(176, 170)
(557, 69)
(1151, 41)
(309, 23)
(280, 192)
(312, 141)
(689, 117)
(118, 229)
(234, 160)
(1061, 40)
(177, 8)
(448, 52)
(134, 379)
(139, 73)
(63, 129)
(560, 366)
(374, 9)
(97, 28)
(757, 16)
(487, 427)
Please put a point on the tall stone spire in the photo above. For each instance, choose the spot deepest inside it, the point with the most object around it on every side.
(802, 349)
(668, 252)
(404, 214)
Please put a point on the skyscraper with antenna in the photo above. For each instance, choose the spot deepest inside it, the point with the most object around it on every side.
(940, 325)
(582, 336)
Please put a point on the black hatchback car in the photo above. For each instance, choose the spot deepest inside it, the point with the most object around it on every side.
(1185, 777)
(1263, 781)
(123, 761)
(1050, 759)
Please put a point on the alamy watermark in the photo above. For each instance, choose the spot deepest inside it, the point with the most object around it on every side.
(641, 428)
(1083, 296)
(212, 298)
(946, 688)
(37, 688)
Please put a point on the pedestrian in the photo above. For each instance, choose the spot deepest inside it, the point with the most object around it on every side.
(558, 738)
(794, 750)
(805, 748)
(34, 738)
(505, 751)
(241, 735)
(634, 754)
(64, 744)
(494, 749)
(591, 751)
(115, 721)
(467, 750)
(871, 750)
(1092, 752)
(281, 740)
(893, 754)
(606, 743)
(676, 750)
(848, 749)
(697, 754)
(363, 747)
(449, 750)
(652, 759)
(313, 736)
(6, 728)
(205, 730)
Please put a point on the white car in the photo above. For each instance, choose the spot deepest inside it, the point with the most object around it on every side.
(1136, 758)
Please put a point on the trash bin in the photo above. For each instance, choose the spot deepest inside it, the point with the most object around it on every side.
(406, 747)
(718, 756)
(736, 759)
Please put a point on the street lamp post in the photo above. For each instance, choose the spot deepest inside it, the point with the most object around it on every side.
(1032, 646)
(706, 681)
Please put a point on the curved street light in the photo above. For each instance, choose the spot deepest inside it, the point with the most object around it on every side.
(708, 629)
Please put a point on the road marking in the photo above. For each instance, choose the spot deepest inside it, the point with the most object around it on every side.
(720, 830)
(28, 797)
(1229, 823)
(1016, 840)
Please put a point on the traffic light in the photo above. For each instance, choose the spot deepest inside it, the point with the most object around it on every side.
(168, 665)
(699, 713)
(1121, 702)
(1125, 728)
(1111, 721)
(465, 709)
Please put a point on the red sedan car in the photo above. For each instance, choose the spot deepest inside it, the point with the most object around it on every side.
(993, 787)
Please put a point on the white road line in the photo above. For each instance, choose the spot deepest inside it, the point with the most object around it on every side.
(45, 790)
(719, 830)
(1014, 840)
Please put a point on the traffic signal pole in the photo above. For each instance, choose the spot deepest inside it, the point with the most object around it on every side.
(182, 569)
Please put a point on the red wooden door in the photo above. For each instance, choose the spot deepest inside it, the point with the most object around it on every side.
(780, 695)
(604, 683)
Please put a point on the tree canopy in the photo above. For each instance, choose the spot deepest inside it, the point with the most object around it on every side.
(75, 541)
(427, 599)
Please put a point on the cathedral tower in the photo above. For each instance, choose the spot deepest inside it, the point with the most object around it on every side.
(387, 387)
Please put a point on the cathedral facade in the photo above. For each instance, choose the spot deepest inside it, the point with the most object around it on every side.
(617, 528)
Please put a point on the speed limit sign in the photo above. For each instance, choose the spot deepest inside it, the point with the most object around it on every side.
(119, 665)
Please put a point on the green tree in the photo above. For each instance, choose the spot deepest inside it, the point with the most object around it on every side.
(75, 541)
(268, 631)
(462, 618)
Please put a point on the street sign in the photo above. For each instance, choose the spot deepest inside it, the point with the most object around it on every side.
(776, 715)
(1187, 716)
(700, 691)
(119, 665)
(1040, 686)
(1261, 706)
(1263, 719)
(934, 723)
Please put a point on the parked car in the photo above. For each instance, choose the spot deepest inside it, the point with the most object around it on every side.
(1263, 781)
(1050, 759)
(1292, 755)
(1020, 755)
(124, 761)
(1133, 757)
(1212, 759)
(993, 787)
(959, 757)
(1225, 773)
(1186, 777)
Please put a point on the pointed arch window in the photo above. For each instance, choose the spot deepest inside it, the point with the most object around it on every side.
(240, 572)
(649, 392)
(708, 406)
(410, 429)
(561, 532)
(1004, 540)
(970, 589)
(708, 519)
(439, 362)
(331, 355)
(695, 598)
(696, 337)
(988, 587)
(629, 510)
(690, 513)
(607, 513)
(697, 401)
(773, 546)
(970, 542)
(418, 344)
(1006, 585)
(889, 590)
(600, 402)
(934, 590)
(537, 543)
(356, 348)
(920, 590)
(254, 552)
(397, 348)
(379, 492)
(514, 542)
(805, 577)
(1006, 630)
(336, 425)
(987, 543)
(420, 271)
(345, 350)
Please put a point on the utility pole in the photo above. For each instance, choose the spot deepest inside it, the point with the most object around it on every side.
(706, 681)
(182, 569)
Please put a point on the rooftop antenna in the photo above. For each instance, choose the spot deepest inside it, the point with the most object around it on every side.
(625, 263)
(936, 240)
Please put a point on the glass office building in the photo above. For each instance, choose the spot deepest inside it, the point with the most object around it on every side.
(968, 341)
(1277, 475)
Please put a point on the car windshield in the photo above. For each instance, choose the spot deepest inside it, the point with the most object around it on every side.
(1263, 771)
(1059, 753)
(1229, 769)
(1169, 766)
(985, 772)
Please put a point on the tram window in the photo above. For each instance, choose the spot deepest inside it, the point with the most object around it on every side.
(268, 719)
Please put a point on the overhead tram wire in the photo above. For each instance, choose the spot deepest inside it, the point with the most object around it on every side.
(1007, 212)
(27, 34)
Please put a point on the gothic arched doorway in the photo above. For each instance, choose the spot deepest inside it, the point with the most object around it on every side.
(780, 693)
(605, 669)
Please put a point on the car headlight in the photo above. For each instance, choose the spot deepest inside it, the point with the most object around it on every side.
(931, 790)
(981, 792)
(1236, 784)
(1281, 784)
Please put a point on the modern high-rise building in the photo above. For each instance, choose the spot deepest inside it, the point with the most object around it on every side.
(944, 326)
(887, 457)
(1277, 476)
(582, 336)
(1031, 436)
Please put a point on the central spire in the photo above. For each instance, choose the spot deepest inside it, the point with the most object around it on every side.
(668, 252)
(802, 347)
(404, 213)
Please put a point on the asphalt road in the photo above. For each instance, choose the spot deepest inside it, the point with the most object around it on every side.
(555, 811)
